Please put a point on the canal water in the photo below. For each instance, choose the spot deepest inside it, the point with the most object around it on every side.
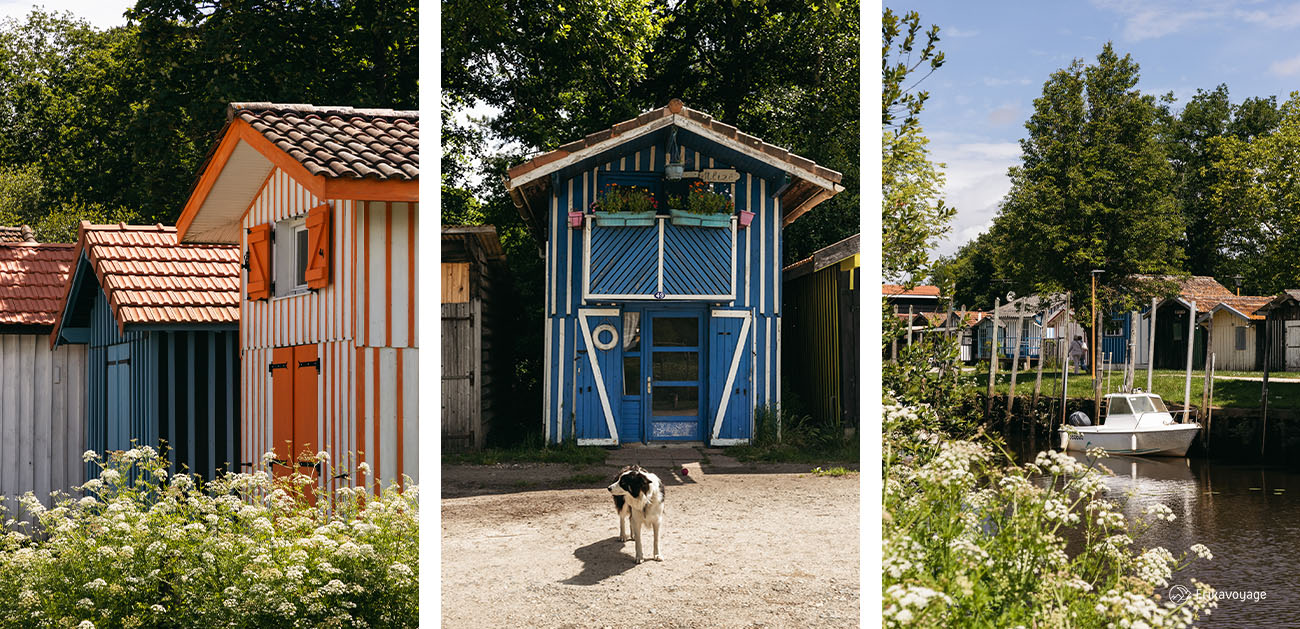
(1248, 516)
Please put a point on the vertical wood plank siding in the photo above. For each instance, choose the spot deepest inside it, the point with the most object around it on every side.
(42, 417)
(364, 323)
(758, 274)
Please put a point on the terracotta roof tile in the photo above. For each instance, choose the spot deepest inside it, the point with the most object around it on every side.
(894, 290)
(340, 142)
(150, 279)
(21, 233)
(1245, 304)
(32, 280)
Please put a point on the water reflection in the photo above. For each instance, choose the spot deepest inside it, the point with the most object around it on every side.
(1249, 517)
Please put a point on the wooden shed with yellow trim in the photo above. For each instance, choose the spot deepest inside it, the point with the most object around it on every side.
(324, 204)
(823, 307)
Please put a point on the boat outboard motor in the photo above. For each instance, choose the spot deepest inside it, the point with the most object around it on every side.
(1078, 418)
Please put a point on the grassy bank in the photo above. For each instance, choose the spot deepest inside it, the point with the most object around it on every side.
(1228, 392)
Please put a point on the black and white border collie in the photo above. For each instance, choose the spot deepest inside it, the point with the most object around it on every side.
(638, 496)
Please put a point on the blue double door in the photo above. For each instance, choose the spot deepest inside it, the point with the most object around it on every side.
(663, 376)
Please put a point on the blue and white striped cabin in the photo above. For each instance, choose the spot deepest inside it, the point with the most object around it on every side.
(663, 332)
(160, 322)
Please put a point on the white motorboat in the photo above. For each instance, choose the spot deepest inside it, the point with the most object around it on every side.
(1136, 423)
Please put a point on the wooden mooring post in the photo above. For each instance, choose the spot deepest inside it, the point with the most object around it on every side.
(1263, 433)
(1191, 342)
(1015, 361)
(1151, 346)
(993, 359)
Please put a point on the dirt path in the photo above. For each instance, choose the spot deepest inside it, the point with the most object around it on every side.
(742, 547)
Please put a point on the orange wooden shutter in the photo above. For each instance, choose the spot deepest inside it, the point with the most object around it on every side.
(282, 411)
(318, 247)
(259, 262)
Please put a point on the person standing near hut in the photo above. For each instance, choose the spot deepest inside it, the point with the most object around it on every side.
(1079, 352)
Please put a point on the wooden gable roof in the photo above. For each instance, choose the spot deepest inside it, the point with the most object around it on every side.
(809, 184)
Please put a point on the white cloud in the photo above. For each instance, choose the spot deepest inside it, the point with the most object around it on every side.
(1156, 19)
(953, 31)
(1285, 16)
(996, 82)
(976, 182)
(1285, 67)
(1004, 115)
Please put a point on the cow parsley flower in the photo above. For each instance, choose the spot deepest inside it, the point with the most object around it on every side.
(88, 456)
(1201, 551)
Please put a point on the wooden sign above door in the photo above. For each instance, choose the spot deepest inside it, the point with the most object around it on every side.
(713, 175)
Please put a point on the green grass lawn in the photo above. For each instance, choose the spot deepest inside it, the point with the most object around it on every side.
(1166, 383)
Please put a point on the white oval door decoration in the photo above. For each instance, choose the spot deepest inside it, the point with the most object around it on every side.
(604, 345)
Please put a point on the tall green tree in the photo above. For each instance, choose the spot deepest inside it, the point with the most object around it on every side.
(547, 73)
(1258, 191)
(1093, 189)
(913, 213)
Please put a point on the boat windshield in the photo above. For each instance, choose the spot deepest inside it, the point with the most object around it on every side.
(1158, 403)
(1120, 406)
(1142, 404)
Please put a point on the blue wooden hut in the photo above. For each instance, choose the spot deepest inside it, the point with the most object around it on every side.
(161, 322)
(660, 324)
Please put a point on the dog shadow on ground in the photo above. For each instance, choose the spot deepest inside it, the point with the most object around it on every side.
(601, 560)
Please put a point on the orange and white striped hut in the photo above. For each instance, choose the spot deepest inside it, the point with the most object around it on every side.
(323, 202)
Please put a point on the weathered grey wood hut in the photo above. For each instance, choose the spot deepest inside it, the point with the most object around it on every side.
(1282, 322)
(472, 272)
(42, 391)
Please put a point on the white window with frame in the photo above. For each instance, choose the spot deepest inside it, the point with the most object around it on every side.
(289, 257)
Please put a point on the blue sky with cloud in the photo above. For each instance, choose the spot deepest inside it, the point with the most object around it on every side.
(999, 54)
(100, 13)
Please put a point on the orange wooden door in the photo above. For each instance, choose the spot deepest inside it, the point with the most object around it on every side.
(306, 380)
(282, 410)
(295, 378)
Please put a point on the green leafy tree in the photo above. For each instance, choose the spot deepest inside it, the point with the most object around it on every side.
(784, 71)
(1093, 190)
(913, 214)
(968, 274)
(1258, 191)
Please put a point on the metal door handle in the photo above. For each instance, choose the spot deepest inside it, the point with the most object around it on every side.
(647, 385)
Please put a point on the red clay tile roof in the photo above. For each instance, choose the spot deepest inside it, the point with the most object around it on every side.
(894, 290)
(16, 234)
(1245, 304)
(149, 279)
(33, 278)
(1202, 288)
(340, 142)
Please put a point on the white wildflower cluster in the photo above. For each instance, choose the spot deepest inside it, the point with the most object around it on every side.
(1059, 510)
(1202, 552)
(901, 555)
(1159, 512)
(1058, 464)
(1155, 566)
(967, 551)
(952, 467)
(1106, 514)
(137, 545)
(906, 604)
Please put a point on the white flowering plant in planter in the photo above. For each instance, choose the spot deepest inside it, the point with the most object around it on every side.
(971, 539)
(139, 547)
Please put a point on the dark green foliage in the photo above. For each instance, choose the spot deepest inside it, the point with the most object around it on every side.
(123, 118)
(1094, 189)
(550, 73)
(928, 372)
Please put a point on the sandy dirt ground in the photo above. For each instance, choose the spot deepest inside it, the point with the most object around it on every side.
(753, 546)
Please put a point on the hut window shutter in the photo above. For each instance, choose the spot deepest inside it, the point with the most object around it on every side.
(259, 262)
(318, 247)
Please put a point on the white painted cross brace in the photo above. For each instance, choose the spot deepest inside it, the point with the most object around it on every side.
(583, 313)
(731, 372)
